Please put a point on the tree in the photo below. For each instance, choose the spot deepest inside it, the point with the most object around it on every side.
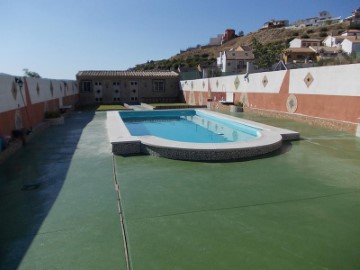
(32, 74)
(266, 55)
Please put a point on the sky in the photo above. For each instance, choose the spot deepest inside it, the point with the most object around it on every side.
(58, 38)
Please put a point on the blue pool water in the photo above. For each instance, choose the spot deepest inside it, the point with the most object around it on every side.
(187, 126)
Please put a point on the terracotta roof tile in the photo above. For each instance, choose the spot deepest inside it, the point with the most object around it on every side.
(300, 50)
(120, 73)
(237, 55)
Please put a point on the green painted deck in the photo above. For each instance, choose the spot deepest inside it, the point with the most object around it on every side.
(298, 208)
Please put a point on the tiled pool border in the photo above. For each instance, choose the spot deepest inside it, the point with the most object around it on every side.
(124, 144)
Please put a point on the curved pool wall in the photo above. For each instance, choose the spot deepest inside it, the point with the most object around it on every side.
(123, 143)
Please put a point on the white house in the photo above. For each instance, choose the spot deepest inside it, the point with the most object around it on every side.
(234, 61)
(304, 43)
(333, 41)
(351, 45)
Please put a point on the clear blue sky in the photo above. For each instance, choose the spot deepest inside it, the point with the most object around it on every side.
(57, 38)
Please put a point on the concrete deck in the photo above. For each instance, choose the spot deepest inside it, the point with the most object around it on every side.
(297, 208)
(123, 143)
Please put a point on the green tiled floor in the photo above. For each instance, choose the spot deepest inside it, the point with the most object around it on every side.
(71, 221)
(295, 209)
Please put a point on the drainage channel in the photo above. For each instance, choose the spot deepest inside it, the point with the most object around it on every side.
(122, 221)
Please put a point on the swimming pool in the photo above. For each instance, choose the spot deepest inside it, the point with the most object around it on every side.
(207, 135)
(187, 126)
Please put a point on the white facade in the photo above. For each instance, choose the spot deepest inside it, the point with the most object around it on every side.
(349, 46)
(333, 41)
(234, 61)
(295, 43)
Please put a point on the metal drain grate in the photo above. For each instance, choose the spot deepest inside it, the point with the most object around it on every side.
(30, 187)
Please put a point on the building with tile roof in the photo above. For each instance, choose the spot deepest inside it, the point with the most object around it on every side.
(234, 61)
(304, 42)
(114, 86)
(299, 55)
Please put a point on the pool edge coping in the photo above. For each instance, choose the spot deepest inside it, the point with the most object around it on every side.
(124, 144)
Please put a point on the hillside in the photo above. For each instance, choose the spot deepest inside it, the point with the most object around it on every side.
(206, 55)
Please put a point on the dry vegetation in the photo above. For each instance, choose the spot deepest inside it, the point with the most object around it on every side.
(206, 55)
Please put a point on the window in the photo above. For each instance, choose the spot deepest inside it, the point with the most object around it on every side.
(158, 86)
(86, 87)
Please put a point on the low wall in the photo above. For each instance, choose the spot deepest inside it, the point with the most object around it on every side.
(24, 108)
(331, 94)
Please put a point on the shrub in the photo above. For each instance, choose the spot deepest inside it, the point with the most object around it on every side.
(295, 34)
(305, 36)
(323, 29)
(323, 34)
(310, 31)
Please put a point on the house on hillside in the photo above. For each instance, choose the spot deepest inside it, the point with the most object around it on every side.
(234, 61)
(351, 33)
(275, 24)
(351, 45)
(243, 48)
(333, 41)
(216, 40)
(323, 18)
(228, 35)
(304, 43)
(299, 55)
(109, 87)
(354, 19)
(324, 53)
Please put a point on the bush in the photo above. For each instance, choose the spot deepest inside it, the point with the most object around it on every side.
(310, 31)
(323, 29)
(305, 36)
(295, 34)
(323, 34)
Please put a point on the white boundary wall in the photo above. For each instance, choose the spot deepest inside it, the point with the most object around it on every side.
(60, 89)
(254, 83)
(341, 80)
